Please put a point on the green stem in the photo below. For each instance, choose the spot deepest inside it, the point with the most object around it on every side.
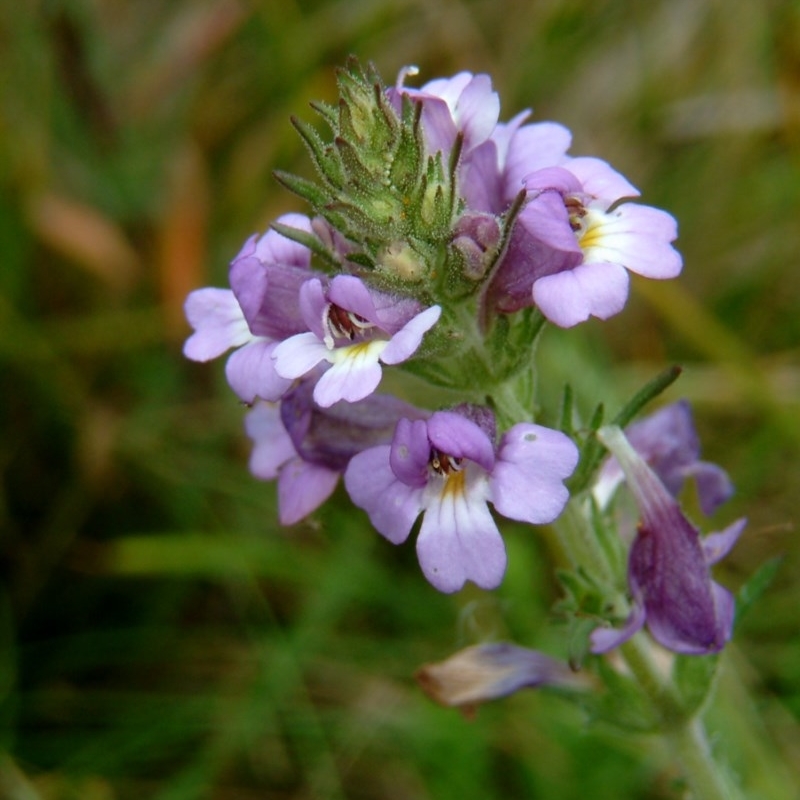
(686, 736)
(582, 546)
(690, 745)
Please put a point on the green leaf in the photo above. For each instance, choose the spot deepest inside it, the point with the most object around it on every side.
(754, 588)
(694, 679)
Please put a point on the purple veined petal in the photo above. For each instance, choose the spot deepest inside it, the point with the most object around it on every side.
(480, 183)
(555, 180)
(527, 480)
(410, 452)
(272, 447)
(668, 567)
(218, 321)
(302, 488)
(313, 303)
(476, 111)
(636, 236)
(352, 294)
(545, 217)
(717, 545)
(572, 296)
(298, 355)
(275, 248)
(408, 339)
(355, 373)
(448, 89)
(455, 435)
(533, 147)
(601, 180)
(438, 127)
(502, 136)
(459, 541)
(392, 506)
(251, 372)
(604, 639)
(526, 261)
(714, 487)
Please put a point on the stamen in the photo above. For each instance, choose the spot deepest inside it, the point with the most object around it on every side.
(576, 211)
(342, 324)
(443, 464)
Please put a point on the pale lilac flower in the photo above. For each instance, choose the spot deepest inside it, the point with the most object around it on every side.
(261, 309)
(307, 448)
(613, 239)
(668, 442)
(465, 104)
(668, 568)
(449, 468)
(354, 329)
(490, 671)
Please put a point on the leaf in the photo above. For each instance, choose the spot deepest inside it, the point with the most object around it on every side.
(694, 678)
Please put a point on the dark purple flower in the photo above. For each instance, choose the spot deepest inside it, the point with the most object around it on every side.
(354, 329)
(449, 468)
(668, 442)
(490, 671)
(668, 568)
(307, 448)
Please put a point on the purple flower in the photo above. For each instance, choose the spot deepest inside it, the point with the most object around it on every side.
(489, 671)
(353, 328)
(668, 442)
(464, 104)
(262, 309)
(612, 239)
(668, 568)
(449, 468)
(307, 448)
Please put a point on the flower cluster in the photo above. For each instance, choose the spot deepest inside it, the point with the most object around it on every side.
(440, 240)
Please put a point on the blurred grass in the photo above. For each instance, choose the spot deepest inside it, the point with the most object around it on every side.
(160, 636)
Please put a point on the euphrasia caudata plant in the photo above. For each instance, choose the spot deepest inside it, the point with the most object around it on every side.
(440, 241)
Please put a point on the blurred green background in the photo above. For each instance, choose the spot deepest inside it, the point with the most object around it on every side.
(160, 635)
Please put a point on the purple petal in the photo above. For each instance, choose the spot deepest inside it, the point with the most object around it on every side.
(717, 545)
(251, 372)
(545, 217)
(218, 322)
(604, 639)
(572, 296)
(488, 671)
(526, 482)
(638, 237)
(303, 488)
(272, 447)
(331, 436)
(714, 487)
(555, 180)
(298, 355)
(533, 147)
(459, 541)
(313, 302)
(476, 111)
(408, 339)
(275, 248)
(455, 435)
(392, 506)
(410, 452)
(526, 260)
(352, 294)
(600, 180)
